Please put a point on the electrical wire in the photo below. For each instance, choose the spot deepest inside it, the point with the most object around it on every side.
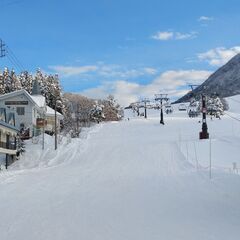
(237, 119)
(18, 62)
(13, 63)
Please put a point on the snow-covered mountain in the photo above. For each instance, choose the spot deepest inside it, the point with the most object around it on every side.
(225, 81)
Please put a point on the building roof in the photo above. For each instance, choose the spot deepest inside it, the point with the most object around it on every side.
(38, 100)
(8, 126)
(51, 112)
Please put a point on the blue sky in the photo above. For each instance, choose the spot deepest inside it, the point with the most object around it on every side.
(130, 48)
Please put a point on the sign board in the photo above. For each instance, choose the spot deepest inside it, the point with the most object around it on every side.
(40, 122)
(16, 102)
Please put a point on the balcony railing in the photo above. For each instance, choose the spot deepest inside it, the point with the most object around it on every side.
(10, 145)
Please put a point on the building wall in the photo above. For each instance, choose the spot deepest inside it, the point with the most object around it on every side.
(6, 146)
(51, 123)
(31, 112)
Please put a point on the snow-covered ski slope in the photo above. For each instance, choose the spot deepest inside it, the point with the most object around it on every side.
(132, 180)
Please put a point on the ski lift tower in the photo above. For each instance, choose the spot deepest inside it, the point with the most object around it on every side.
(161, 97)
(135, 107)
(204, 133)
(145, 101)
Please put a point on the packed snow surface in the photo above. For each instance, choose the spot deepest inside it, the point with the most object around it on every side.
(132, 180)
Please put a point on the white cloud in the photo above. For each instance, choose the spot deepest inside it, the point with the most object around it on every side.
(183, 36)
(170, 82)
(150, 71)
(164, 36)
(68, 71)
(219, 56)
(205, 19)
(103, 70)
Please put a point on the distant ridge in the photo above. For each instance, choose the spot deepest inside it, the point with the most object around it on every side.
(225, 82)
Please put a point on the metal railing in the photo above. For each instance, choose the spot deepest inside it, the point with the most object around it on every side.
(10, 145)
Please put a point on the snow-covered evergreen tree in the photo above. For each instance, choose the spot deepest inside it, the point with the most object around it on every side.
(26, 80)
(215, 105)
(112, 110)
(52, 91)
(97, 114)
(7, 81)
(2, 84)
(15, 81)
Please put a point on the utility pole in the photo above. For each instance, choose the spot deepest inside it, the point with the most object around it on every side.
(161, 97)
(145, 101)
(43, 131)
(55, 117)
(77, 118)
(204, 133)
(2, 49)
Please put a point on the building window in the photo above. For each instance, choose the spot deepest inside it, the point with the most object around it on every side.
(20, 110)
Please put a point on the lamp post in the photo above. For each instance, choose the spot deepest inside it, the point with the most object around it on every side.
(55, 124)
(55, 120)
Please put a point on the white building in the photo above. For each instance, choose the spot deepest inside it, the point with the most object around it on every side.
(30, 111)
(8, 138)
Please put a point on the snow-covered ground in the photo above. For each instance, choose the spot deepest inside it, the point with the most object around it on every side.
(132, 180)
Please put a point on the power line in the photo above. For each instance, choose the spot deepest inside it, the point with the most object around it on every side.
(2, 48)
(5, 51)
(232, 117)
(16, 64)
(10, 52)
(13, 63)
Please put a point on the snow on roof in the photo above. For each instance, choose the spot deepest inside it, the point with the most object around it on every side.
(51, 112)
(7, 125)
(39, 100)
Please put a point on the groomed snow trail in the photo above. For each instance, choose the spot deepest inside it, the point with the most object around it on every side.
(130, 182)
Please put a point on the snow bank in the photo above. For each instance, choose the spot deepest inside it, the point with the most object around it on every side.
(132, 180)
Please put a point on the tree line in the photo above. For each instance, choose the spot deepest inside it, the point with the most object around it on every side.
(78, 111)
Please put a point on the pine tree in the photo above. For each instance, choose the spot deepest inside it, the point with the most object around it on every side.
(16, 84)
(2, 84)
(26, 80)
(97, 114)
(112, 110)
(7, 81)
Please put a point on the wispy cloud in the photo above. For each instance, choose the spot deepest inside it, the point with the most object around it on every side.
(163, 36)
(67, 71)
(103, 70)
(170, 81)
(183, 36)
(205, 19)
(219, 56)
(170, 35)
